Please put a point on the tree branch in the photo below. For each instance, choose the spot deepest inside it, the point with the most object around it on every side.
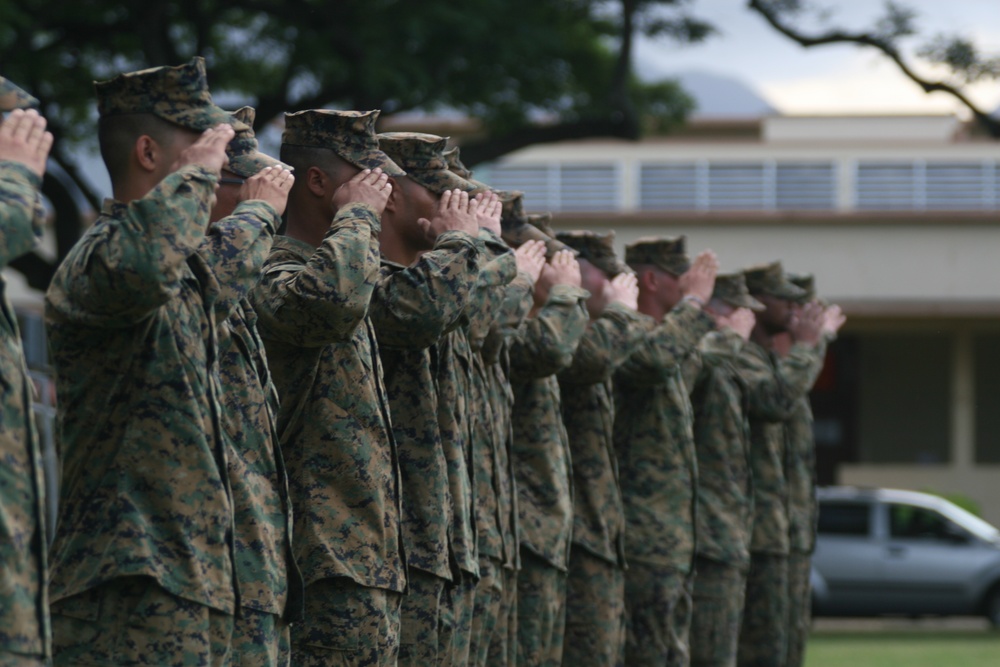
(990, 124)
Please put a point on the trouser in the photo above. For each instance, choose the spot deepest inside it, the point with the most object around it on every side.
(462, 592)
(658, 616)
(486, 617)
(8, 659)
(541, 612)
(717, 611)
(347, 625)
(595, 612)
(763, 636)
(799, 607)
(422, 639)
(133, 622)
(260, 639)
(503, 645)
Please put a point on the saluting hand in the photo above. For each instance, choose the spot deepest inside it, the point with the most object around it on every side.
(742, 321)
(807, 324)
(369, 186)
(699, 280)
(455, 212)
(490, 210)
(23, 139)
(833, 319)
(209, 151)
(530, 257)
(563, 269)
(624, 289)
(270, 184)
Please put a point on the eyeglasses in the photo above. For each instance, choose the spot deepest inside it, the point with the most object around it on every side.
(232, 181)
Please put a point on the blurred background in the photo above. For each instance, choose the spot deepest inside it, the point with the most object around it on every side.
(855, 140)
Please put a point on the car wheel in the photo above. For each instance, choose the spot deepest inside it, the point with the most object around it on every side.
(992, 607)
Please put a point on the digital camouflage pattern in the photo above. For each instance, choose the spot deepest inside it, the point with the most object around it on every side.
(422, 157)
(266, 573)
(717, 612)
(764, 632)
(349, 134)
(411, 308)
(668, 254)
(588, 412)
(799, 607)
(132, 621)
(595, 611)
(244, 158)
(544, 346)
(722, 445)
(771, 279)
(488, 611)
(14, 97)
(24, 618)
(654, 440)
(178, 95)
(463, 603)
(598, 249)
(455, 164)
(260, 639)
(425, 628)
(657, 616)
(800, 467)
(312, 306)
(772, 395)
(541, 612)
(144, 484)
(347, 625)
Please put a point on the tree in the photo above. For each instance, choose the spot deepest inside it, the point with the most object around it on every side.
(504, 62)
(889, 35)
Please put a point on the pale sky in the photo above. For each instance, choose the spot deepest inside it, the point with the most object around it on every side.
(826, 79)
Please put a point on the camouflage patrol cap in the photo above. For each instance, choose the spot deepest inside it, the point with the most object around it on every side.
(667, 253)
(517, 227)
(806, 282)
(731, 288)
(455, 163)
(175, 94)
(12, 97)
(422, 156)
(349, 134)
(244, 158)
(598, 249)
(542, 222)
(769, 279)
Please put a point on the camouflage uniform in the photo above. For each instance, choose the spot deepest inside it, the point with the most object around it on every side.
(25, 635)
(494, 638)
(312, 305)
(542, 467)
(595, 589)
(132, 317)
(412, 308)
(656, 462)
(800, 471)
(725, 490)
(772, 396)
(270, 584)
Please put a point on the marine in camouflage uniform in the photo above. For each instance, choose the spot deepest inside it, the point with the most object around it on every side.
(270, 583)
(658, 470)
(803, 509)
(774, 387)
(25, 637)
(142, 562)
(414, 305)
(544, 346)
(595, 589)
(725, 488)
(312, 306)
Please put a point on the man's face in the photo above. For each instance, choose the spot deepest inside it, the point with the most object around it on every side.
(777, 316)
(414, 202)
(669, 291)
(597, 283)
(719, 310)
(227, 196)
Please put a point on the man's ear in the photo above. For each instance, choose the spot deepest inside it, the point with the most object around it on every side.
(317, 182)
(147, 153)
(395, 200)
(648, 280)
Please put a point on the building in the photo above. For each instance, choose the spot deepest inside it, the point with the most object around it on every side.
(898, 218)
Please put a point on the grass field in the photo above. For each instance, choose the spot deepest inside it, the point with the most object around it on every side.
(948, 648)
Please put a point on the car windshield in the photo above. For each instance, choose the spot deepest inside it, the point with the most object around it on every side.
(970, 522)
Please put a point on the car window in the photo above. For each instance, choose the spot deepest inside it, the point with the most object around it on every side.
(911, 522)
(844, 518)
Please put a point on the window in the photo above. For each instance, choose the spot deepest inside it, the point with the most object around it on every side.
(844, 518)
(911, 522)
(805, 186)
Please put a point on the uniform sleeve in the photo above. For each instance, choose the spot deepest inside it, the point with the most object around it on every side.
(773, 389)
(607, 342)
(131, 263)
(323, 300)
(546, 343)
(21, 212)
(661, 350)
(414, 306)
(518, 298)
(715, 349)
(498, 269)
(235, 248)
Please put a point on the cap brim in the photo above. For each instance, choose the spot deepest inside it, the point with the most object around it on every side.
(373, 159)
(203, 118)
(517, 234)
(12, 97)
(250, 164)
(440, 181)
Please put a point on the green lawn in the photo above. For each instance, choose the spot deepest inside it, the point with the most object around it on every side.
(904, 648)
